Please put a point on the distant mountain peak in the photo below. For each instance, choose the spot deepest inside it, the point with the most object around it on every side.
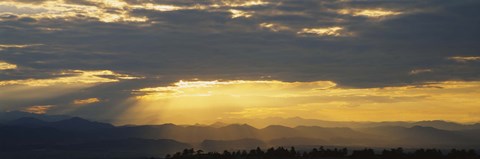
(28, 119)
(218, 124)
(239, 126)
(168, 124)
(276, 127)
(78, 119)
(77, 123)
(419, 127)
(27, 122)
(13, 115)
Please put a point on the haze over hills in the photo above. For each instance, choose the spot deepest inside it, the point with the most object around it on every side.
(298, 121)
(272, 121)
(28, 134)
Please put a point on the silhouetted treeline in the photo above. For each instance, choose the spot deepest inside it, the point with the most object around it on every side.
(318, 153)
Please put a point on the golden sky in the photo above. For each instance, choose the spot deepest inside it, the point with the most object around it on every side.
(190, 102)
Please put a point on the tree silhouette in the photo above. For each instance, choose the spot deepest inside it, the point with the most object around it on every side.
(322, 153)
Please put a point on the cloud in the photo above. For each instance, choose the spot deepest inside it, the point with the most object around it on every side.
(239, 3)
(27, 1)
(38, 109)
(239, 13)
(71, 78)
(373, 13)
(162, 8)
(17, 46)
(465, 58)
(86, 101)
(7, 66)
(56, 9)
(64, 82)
(166, 41)
(330, 31)
(112, 11)
(274, 27)
(163, 44)
(420, 71)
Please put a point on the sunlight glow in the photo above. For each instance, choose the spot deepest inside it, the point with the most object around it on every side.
(232, 88)
(239, 99)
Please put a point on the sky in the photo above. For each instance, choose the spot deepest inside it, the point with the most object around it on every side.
(201, 61)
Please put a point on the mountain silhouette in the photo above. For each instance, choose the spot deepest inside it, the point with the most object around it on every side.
(422, 136)
(14, 115)
(75, 123)
(28, 122)
(29, 135)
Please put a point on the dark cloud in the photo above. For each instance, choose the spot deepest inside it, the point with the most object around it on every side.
(203, 40)
(28, 1)
(81, 2)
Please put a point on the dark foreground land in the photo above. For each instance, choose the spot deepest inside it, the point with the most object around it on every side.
(322, 153)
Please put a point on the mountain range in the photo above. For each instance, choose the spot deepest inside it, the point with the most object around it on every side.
(51, 136)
